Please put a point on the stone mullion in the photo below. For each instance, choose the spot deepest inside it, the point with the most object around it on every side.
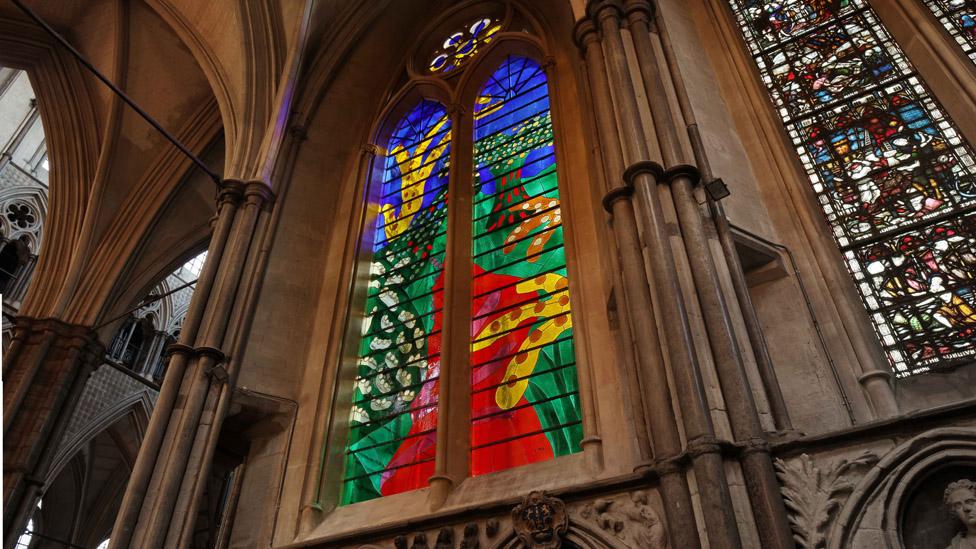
(155, 444)
(452, 456)
(656, 395)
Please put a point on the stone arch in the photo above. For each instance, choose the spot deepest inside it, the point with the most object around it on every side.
(139, 405)
(64, 101)
(872, 514)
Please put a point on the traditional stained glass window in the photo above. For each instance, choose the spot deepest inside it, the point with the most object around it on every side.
(525, 401)
(394, 413)
(959, 18)
(893, 176)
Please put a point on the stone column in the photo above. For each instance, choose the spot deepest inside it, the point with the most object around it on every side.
(660, 417)
(45, 370)
(194, 363)
(761, 484)
(642, 177)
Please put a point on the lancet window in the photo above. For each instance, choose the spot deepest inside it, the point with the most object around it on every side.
(892, 173)
(523, 405)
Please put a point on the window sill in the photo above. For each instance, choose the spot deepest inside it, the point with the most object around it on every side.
(391, 512)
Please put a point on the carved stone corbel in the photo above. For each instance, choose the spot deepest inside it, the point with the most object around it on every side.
(540, 521)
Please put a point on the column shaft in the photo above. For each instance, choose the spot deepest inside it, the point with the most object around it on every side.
(716, 499)
(661, 422)
(761, 484)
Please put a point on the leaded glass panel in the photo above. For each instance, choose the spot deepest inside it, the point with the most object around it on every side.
(959, 19)
(394, 412)
(895, 180)
(525, 399)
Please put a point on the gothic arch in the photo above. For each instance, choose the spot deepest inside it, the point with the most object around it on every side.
(137, 405)
(64, 102)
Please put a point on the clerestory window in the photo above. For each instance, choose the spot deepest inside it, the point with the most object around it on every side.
(894, 176)
(466, 231)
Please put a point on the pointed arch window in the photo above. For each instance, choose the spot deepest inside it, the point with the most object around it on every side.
(523, 404)
(892, 173)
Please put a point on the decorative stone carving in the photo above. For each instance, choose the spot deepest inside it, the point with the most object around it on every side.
(960, 498)
(814, 495)
(632, 521)
(540, 521)
(470, 539)
(420, 541)
(491, 528)
(445, 539)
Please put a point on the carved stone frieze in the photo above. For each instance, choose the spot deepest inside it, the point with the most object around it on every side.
(540, 521)
(630, 519)
(814, 493)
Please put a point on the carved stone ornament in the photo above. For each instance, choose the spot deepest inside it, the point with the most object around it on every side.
(813, 494)
(540, 521)
(632, 521)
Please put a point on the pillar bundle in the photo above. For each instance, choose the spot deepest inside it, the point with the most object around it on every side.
(159, 506)
(623, 143)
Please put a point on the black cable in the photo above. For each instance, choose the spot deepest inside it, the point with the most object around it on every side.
(145, 116)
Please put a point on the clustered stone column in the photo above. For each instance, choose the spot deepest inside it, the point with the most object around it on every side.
(166, 486)
(44, 372)
(622, 139)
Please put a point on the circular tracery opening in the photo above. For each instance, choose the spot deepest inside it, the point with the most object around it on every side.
(460, 46)
(20, 215)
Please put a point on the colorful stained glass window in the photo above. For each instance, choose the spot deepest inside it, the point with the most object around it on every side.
(524, 400)
(894, 178)
(462, 45)
(959, 18)
(393, 421)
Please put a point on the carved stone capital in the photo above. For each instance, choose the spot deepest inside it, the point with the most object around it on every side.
(585, 34)
(615, 194)
(540, 522)
(644, 166)
(603, 10)
(370, 149)
(639, 11)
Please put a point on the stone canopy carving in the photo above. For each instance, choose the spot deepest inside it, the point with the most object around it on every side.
(960, 498)
(540, 521)
(631, 520)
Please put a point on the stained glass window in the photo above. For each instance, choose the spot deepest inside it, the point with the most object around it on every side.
(893, 176)
(394, 413)
(524, 397)
(463, 44)
(525, 402)
(959, 18)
